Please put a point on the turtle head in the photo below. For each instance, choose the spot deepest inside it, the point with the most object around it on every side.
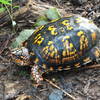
(20, 56)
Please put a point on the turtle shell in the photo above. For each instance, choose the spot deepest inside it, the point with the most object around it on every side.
(63, 43)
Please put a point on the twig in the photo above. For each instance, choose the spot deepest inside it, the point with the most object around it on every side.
(8, 12)
(58, 3)
(93, 66)
(43, 90)
(37, 97)
(69, 95)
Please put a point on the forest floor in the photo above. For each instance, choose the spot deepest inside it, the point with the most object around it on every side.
(16, 83)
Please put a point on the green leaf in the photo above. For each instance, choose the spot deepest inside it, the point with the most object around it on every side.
(2, 9)
(42, 20)
(5, 2)
(24, 35)
(52, 13)
(16, 7)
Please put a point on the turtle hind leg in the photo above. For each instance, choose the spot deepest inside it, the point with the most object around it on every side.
(95, 54)
(36, 74)
(92, 59)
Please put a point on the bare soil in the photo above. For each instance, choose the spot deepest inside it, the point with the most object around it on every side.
(15, 81)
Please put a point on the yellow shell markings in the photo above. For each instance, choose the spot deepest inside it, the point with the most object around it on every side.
(69, 28)
(54, 20)
(51, 53)
(78, 20)
(38, 39)
(80, 33)
(36, 60)
(64, 53)
(52, 29)
(83, 40)
(67, 68)
(51, 68)
(77, 65)
(50, 42)
(73, 50)
(44, 66)
(70, 58)
(65, 38)
(45, 52)
(38, 29)
(67, 24)
(97, 52)
(60, 68)
(51, 49)
(65, 44)
(69, 55)
(86, 60)
(94, 36)
(69, 48)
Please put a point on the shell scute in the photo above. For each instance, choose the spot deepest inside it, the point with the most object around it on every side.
(63, 42)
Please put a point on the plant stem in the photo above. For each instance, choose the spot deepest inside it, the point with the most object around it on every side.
(9, 12)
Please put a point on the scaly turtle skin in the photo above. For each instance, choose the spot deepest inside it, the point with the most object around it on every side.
(62, 44)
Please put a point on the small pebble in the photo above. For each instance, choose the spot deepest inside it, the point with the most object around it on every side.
(56, 95)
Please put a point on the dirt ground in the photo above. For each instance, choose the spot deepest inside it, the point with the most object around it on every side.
(16, 83)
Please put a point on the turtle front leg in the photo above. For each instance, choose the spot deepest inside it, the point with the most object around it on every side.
(37, 76)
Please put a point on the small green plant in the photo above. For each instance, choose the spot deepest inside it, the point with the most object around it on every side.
(7, 5)
(50, 14)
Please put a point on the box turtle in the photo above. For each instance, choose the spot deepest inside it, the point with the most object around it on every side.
(63, 44)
